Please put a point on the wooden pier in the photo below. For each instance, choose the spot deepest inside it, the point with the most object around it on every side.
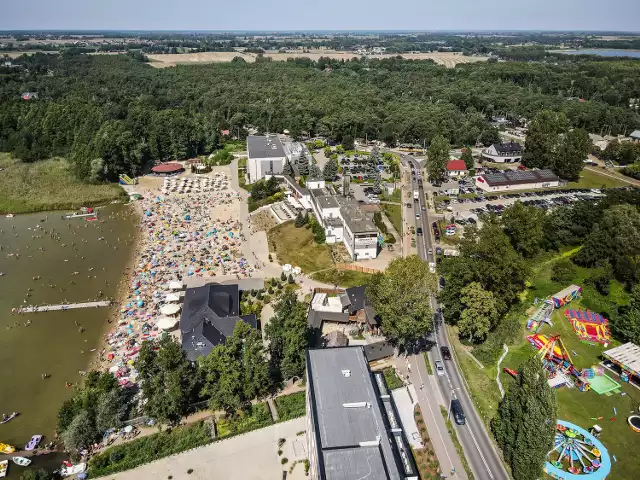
(68, 306)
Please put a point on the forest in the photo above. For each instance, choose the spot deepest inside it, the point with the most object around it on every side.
(116, 114)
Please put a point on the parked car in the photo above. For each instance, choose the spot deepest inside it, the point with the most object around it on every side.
(457, 412)
(439, 368)
(419, 230)
(446, 354)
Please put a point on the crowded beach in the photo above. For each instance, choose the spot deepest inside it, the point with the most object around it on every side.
(189, 233)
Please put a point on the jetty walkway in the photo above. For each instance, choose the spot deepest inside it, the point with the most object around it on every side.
(67, 306)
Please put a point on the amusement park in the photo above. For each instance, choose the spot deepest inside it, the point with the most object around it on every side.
(597, 385)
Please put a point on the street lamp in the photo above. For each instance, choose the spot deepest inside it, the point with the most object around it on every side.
(450, 400)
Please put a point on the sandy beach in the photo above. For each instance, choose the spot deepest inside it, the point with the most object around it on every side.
(188, 233)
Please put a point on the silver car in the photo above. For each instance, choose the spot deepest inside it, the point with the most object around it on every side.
(439, 368)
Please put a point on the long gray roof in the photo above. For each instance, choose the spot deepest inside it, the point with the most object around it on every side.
(264, 147)
(352, 438)
(357, 221)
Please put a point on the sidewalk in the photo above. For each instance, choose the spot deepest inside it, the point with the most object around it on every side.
(430, 407)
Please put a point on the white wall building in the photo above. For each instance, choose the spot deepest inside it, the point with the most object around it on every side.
(266, 156)
(517, 180)
(509, 152)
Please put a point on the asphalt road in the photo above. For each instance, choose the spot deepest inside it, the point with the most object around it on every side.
(483, 458)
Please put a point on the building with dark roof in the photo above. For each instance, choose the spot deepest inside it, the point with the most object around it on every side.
(353, 427)
(507, 152)
(265, 156)
(517, 180)
(209, 315)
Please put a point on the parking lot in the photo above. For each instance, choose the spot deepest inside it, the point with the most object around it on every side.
(465, 209)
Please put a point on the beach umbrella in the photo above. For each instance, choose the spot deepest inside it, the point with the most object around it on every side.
(170, 309)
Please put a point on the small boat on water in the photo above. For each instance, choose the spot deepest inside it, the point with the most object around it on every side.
(6, 448)
(68, 470)
(7, 418)
(9, 215)
(4, 466)
(22, 461)
(33, 443)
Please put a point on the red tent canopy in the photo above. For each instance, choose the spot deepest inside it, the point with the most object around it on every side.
(167, 168)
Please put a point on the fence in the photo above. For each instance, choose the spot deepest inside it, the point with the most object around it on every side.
(356, 268)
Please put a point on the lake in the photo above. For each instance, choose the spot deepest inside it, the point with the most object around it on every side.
(602, 52)
(40, 255)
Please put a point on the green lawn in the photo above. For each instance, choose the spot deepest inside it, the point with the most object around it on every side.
(342, 278)
(291, 406)
(394, 213)
(48, 185)
(297, 247)
(591, 179)
(573, 405)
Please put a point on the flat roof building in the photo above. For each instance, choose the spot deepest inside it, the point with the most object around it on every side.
(353, 428)
(517, 180)
(265, 156)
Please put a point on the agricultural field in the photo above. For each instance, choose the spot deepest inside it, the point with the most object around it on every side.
(448, 59)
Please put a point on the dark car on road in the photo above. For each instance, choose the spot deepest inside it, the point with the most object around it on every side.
(446, 353)
(419, 230)
(457, 412)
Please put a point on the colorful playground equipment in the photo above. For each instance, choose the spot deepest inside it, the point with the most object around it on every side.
(510, 371)
(541, 316)
(557, 362)
(127, 180)
(577, 454)
(566, 295)
(589, 326)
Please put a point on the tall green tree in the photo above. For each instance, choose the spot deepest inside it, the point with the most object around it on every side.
(573, 150)
(237, 372)
(467, 156)
(437, 158)
(523, 226)
(330, 169)
(288, 335)
(479, 313)
(401, 297)
(81, 433)
(626, 325)
(487, 257)
(524, 426)
(168, 379)
(543, 139)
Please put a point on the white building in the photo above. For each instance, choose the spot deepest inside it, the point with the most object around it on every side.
(266, 156)
(509, 152)
(517, 180)
(456, 168)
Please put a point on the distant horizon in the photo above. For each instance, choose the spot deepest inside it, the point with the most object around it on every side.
(329, 16)
(355, 30)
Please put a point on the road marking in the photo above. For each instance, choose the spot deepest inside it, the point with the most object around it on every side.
(473, 437)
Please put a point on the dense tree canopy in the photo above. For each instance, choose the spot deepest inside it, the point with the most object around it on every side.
(168, 379)
(486, 257)
(437, 158)
(288, 336)
(126, 113)
(523, 226)
(401, 297)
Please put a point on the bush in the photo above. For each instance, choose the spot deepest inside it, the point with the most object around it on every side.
(279, 452)
(563, 271)
(284, 460)
(283, 276)
(290, 279)
(190, 471)
(291, 406)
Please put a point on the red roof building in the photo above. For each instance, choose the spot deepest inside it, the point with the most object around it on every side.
(456, 168)
(165, 168)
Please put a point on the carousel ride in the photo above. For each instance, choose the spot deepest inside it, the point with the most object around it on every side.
(577, 454)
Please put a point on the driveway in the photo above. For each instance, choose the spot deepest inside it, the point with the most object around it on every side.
(252, 456)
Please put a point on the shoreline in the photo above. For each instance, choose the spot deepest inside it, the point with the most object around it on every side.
(97, 363)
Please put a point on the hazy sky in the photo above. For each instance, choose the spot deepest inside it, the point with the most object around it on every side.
(321, 15)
